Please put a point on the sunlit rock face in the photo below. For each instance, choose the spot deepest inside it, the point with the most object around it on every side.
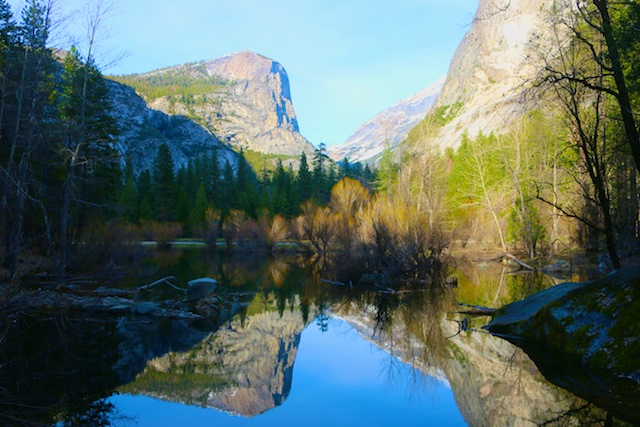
(252, 111)
(244, 368)
(390, 127)
(142, 130)
(491, 68)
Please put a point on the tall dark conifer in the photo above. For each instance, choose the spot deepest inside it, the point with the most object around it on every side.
(164, 184)
(305, 180)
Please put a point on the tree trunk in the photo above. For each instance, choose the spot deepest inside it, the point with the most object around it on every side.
(623, 94)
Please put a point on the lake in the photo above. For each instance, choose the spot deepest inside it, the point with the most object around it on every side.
(288, 348)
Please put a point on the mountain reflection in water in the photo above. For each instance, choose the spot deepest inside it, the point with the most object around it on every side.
(291, 342)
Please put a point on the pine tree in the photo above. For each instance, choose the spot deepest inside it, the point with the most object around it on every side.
(196, 217)
(305, 180)
(164, 184)
(319, 174)
(213, 185)
(129, 197)
(387, 172)
(229, 190)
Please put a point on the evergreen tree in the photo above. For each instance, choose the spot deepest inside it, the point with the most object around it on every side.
(213, 185)
(196, 218)
(129, 196)
(305, 180)
(281, 191)
(182, 207)
(88, 144)
(163, 184)
(321, 192)
(387, 172)
(346, 169)
(229, 190)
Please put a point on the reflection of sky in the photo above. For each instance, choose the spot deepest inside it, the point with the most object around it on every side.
(339, 379)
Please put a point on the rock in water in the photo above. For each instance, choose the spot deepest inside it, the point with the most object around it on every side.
(594, 323)
(145, 308)
(201, 288)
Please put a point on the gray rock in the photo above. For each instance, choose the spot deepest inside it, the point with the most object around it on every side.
(521, 311)
(146, 307)
(561, 266)
(201, 288)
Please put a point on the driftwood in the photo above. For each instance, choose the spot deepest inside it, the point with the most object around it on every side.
(520, 262)
(163, 280)
(511, 257)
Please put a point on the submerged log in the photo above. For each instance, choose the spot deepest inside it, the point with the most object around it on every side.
(477, 310)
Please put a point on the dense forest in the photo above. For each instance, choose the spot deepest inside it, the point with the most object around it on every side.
(63, 188)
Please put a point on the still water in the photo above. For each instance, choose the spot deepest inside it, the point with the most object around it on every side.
(338, 379)
(287, 349)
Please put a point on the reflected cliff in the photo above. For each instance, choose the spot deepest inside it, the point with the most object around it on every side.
(244, 368)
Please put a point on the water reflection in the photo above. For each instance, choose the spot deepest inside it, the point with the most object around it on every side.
(64, 369)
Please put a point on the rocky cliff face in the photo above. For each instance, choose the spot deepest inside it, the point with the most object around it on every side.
(490, 69)
(389, 127)
(242, 99)
(258, 114)
(143, 130)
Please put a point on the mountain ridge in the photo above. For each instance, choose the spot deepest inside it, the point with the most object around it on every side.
(389, 127)
(239, 101)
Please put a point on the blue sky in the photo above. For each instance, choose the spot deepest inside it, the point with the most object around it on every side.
(347, 60)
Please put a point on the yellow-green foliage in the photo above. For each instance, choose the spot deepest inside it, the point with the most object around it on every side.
(260, 162)
(495, 185)
(188, 84)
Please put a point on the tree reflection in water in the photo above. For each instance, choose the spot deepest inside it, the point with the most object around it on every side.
(62, 369)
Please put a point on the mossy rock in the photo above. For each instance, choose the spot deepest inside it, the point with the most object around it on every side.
(584, 337)
(596, 323)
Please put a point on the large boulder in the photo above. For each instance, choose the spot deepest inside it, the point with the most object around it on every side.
(592, 328)
(201, 288)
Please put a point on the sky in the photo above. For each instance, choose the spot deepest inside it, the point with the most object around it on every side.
(347, 60)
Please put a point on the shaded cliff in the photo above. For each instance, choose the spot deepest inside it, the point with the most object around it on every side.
(143, 130)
